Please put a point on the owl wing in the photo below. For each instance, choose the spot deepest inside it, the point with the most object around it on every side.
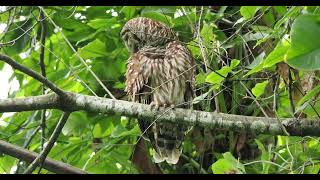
(181, 71)
(138, 87)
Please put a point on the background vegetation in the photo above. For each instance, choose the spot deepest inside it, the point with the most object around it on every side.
(251, 60)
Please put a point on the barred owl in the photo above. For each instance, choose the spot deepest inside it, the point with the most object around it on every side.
(141, 32)
(160, 72)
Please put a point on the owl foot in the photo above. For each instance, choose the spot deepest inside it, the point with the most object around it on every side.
(154, 105)
(157, 106)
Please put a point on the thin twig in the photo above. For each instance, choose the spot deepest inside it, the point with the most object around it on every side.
(42, 156)
(194, 163)
(25, 145)
(255, 100)
(292, 108)
(77, 54)
(43, 73)
(27, 156)
(65, 64)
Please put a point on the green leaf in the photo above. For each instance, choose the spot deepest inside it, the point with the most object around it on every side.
(207, 34)
(258, 60)
(223, 166)
(259, 88)
(76, 124)
(103, 127)
(248, 12)
(156, 15)
(278, 54)
(234, 63)
(304, 53)
(94, 49)
(309, 95)
(265, 156)
(200, 98)
(102, 23)
(129, 11)
(227, 165)
(217, 77)
(120, 131)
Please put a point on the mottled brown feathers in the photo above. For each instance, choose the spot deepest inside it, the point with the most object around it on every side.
(160, 72)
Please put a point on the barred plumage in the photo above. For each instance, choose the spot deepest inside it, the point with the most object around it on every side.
(141, 32)
(161, 76)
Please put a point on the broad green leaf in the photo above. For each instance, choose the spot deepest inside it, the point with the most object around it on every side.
(227, 165)
(259, 88)
(103, 127)
(248, 12)
(304, 53)
(290, 13)
(217, 77)
(92, 50)
(278, 54)
(77, 123)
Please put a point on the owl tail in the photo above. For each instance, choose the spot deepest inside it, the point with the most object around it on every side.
(171, 156)
(168, 142)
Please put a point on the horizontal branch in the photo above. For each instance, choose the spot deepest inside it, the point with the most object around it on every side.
(76, 102)
(49, 164)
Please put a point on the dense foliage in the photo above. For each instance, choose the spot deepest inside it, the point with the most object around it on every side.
(253, 61)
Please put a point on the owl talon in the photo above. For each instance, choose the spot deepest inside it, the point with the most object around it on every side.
(154, 106)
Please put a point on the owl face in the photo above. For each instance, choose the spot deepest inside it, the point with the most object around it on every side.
(130, 41)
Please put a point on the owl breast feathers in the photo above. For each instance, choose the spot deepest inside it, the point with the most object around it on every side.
(160, 72)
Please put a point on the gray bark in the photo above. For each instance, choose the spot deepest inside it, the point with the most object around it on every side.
(239, 123)
(49, 164)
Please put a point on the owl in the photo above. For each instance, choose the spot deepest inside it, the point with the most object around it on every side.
(141, 32)
(160, 72)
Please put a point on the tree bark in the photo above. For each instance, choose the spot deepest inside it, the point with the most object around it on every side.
(49, 164)
(212, 120)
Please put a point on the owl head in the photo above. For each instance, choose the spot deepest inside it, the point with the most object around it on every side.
(131, 41)
(140, 32)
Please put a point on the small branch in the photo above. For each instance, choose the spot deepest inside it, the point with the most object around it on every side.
(49, 164)
(42, 156)
(255, 100)
(12, 42)
(25, 145)
(292, 108)
(194, 163)
(43, 73)
(31, 73)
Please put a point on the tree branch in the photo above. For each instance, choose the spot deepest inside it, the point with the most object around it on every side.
(43, 73)
(213, 120)
(49, 164)
(42, 156)
(31, 73)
